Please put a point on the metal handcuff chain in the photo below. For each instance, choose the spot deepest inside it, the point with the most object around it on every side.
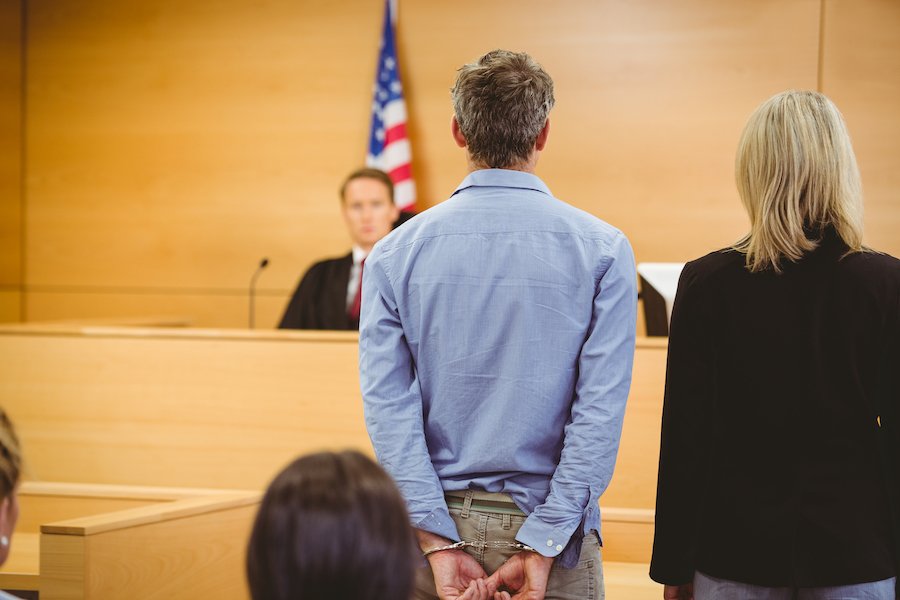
(496, 545)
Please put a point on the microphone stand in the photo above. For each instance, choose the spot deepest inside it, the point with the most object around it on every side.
(262, 265)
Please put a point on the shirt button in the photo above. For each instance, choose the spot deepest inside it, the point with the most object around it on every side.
(549, 543)
(558, 548)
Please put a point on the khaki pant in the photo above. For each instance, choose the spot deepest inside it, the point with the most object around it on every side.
(499, 520)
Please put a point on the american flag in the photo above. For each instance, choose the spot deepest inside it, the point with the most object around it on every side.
(389, 148)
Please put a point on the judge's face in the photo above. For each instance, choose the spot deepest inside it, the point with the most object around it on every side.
(369, 211)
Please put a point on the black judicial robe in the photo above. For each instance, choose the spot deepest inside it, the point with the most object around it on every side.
(774, 469)
(320, 300)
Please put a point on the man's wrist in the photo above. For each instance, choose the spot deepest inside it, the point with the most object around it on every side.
(455, 546)
(535, 555)
(428, 540)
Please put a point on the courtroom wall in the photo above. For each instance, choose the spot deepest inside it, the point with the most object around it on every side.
(172, 145)
(860, 70)
(10, 160)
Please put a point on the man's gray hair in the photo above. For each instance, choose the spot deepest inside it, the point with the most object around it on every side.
(501, 103)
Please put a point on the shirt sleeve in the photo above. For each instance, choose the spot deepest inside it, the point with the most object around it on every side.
(392, 402)
(592, 435)
(683, 447)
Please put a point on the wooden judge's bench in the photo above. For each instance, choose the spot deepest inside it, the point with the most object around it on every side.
(147, 449)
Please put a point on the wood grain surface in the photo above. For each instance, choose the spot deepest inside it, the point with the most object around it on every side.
(170, 149)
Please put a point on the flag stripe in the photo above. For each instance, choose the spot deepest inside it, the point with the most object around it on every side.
(394, 113)
(395, 134)
(395, 155)
(401, 173)
(405, 194)
(389, 147)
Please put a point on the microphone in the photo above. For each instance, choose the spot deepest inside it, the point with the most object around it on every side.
(262, 265)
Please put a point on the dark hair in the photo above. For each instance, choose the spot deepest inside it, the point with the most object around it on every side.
(332, 525)
(368, 173)
(501, 103)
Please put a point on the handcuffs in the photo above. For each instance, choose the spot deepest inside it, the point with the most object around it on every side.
(497, 545)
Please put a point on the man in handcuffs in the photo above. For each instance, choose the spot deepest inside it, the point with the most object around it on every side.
(496, 345)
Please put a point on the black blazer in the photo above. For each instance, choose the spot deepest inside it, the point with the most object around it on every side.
(773, 468)
(320, 300)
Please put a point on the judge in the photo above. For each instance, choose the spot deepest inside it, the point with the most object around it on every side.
(327, 296)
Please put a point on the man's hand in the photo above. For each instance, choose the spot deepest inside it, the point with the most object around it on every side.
(679, 592)
(457, 576)
(525, 574)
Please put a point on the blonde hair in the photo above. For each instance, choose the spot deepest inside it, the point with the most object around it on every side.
(10, 456)
(797, 176)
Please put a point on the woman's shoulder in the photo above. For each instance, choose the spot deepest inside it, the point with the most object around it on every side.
(873, 261)
(703, 278)
(724, 261)
(876, 272)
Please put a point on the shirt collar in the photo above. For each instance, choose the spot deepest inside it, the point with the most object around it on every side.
(358, 254)
(503, 178)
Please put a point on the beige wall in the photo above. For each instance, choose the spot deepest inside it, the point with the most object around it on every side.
(171, 145)
(861, 72)
(10, 160)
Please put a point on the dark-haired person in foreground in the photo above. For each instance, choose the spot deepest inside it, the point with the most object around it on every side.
(332, 526)
(496, 345)
(328, 295)
(778, 467)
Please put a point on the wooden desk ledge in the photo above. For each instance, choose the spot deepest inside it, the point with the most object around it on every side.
(627, 515)
(130, 492)
(115, 331)
(183, 502)
(145, 321)
(176, 329)
(144, 515)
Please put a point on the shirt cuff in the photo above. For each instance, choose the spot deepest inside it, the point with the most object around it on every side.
(439, 523)
(547, 540)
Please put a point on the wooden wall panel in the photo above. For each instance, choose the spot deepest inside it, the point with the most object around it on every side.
(651, 98)
(176, 407)
(175, 144)
(172, 146)
(10, 150)
(10, 304)
(198, 309)
(217, 408)
(634, 482)
(861, 73)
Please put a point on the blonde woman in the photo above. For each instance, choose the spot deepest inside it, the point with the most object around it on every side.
(10, 467)
(778, 467)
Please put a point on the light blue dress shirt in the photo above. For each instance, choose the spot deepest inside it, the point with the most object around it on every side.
(496, 345)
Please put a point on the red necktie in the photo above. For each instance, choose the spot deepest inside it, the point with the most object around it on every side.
(357, 300)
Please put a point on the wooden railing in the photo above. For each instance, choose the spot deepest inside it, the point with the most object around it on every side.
(228, 408)
(101, 542)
